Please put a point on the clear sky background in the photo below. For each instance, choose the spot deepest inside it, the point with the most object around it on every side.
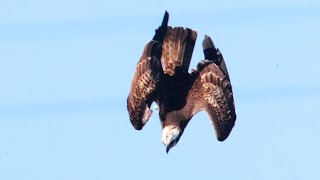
(66, 68)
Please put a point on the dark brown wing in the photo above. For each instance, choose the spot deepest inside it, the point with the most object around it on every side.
(144, 85)
(177, 49)
(212, 92)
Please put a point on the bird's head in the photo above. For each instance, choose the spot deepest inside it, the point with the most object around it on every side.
(170, 136)
(173, 125)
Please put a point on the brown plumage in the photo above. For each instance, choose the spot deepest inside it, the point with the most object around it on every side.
(162, 76)
(177, 49)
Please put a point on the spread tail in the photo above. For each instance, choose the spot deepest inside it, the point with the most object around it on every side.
(177, 49)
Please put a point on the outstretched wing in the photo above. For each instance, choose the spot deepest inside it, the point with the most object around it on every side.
(144, 85)
(212, 92)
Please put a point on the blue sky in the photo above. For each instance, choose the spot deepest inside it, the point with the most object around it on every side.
(66, 68)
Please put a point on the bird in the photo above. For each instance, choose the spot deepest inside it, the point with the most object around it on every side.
(162, 76)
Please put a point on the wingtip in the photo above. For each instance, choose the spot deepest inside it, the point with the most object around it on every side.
(221, 139)
(223, 134)
(162, 30)
(166, 13)
(165, 19)
(137, 126)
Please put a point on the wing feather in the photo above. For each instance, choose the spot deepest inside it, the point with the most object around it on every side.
(144, 85)
(212, 92)
(213, 54)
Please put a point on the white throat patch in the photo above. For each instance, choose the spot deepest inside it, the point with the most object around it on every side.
(170, 133)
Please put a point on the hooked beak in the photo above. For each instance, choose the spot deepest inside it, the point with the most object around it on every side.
(167, 149)
(170, 145)
(170, 137)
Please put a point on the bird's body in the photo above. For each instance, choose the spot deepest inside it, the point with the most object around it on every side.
(162, 76)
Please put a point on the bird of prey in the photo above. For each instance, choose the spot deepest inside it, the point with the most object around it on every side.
(162, 76)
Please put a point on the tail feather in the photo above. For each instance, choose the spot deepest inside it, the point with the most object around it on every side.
(177, 49)
(178, 52)
(192, 36)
